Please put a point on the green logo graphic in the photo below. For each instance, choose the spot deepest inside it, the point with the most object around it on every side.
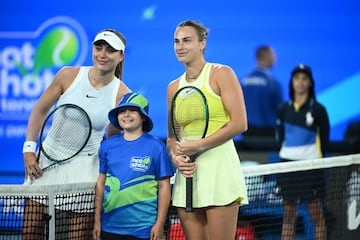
(57, 48)
(146, 161)
(60, 41)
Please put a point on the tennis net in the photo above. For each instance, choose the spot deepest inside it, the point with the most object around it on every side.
(65, 211)
(325, 192)
(47, 212)
(330, 186)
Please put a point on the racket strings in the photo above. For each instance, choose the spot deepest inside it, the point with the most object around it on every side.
(189, 119)
(190, 115)
(69, 132)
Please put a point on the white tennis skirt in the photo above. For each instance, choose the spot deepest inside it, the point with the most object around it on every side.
(81, 169)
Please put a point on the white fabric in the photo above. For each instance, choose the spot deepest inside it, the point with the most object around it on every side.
(112, 39)
(29, 146)
(85, 166)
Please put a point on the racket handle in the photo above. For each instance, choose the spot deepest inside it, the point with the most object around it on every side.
(189, 193)
(47, 167)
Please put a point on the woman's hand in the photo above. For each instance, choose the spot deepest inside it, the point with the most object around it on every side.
(96, 230)
(186, 167)
(180, 152)
(32, 168)
(189, 147)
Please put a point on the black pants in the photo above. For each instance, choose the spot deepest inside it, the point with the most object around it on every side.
(260, 132)
(111, 236)
(303, 185)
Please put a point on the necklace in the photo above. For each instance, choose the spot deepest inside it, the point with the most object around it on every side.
(197, 75)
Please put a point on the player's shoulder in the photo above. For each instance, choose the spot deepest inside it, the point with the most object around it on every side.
(221, 69)
(174, 82)
(70, 69)
(68, 72)
(173, 86)
(219, 66)
(221, 73)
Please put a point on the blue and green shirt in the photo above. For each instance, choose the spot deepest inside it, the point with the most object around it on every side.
(132, 170)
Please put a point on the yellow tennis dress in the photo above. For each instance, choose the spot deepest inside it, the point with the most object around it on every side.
(218, 179)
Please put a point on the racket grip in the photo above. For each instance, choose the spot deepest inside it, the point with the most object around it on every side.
(189, 193)
(192, 158)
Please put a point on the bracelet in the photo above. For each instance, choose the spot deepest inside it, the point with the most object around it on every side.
(29, 146)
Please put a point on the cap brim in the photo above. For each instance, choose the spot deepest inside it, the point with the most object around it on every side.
(111, 38)
(299, 70)
(147, 124)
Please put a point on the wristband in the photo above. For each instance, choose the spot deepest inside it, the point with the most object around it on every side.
(29, 146)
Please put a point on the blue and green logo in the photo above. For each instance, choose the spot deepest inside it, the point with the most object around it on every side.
(61, 41)
(30, 60)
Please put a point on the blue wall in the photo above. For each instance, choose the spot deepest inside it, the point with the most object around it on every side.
(323, 34)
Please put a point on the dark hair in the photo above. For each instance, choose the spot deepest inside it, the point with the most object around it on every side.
(120, 67)
(262, 51)
(306, 70)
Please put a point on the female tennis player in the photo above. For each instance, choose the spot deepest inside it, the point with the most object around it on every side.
(218, 182)
(96, 89)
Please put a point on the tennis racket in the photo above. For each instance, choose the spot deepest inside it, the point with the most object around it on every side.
(64, 133)
(189, 119)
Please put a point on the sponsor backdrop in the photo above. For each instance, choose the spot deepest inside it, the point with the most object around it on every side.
(38, 37)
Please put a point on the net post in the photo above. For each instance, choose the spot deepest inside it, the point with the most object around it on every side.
(51, 211)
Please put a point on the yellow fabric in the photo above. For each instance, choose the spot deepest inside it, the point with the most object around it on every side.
(218, 179)
(318, 144)
(190, 112)
(296, 107)
(218, 115)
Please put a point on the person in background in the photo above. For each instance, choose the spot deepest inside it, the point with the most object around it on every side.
(263, 94)
(218, 182)
(133, 187)
(96, 89)
(303, 131)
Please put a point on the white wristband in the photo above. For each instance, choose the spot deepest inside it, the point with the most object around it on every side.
(29, 146)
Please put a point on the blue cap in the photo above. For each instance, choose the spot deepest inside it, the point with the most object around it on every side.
(132, 100)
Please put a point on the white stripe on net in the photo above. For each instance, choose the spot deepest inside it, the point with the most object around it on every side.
(29, 190)
(329, 162)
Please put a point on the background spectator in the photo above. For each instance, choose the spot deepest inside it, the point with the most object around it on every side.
(263, 94)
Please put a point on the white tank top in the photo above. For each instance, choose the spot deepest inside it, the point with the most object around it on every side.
(97, 102)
